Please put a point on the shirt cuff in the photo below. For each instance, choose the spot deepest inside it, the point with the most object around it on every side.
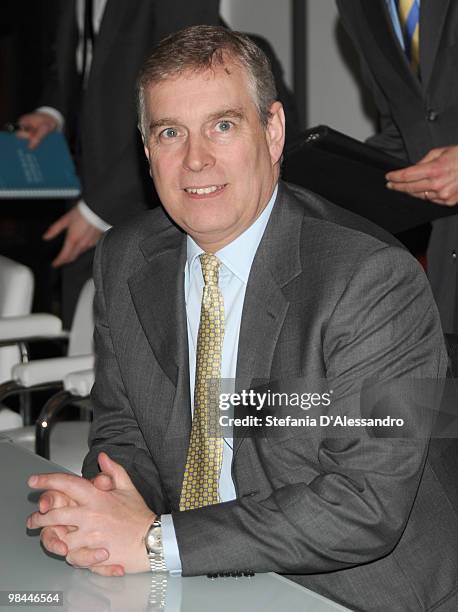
(55, 114)
(91, 217)
(170, 545)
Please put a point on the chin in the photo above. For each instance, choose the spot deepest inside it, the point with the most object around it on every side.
(206, 223)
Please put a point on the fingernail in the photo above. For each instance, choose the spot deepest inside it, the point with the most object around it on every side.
(101, 555)
(28, 523)
(389, 185)
(118, 572)
(32, 481)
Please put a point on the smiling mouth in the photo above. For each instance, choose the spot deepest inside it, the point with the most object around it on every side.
(210, 189)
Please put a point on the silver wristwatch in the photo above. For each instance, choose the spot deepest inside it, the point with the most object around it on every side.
(154, 548)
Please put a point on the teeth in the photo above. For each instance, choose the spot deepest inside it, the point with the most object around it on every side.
(203, 190)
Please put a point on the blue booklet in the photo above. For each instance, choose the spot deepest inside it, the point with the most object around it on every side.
(44, 172)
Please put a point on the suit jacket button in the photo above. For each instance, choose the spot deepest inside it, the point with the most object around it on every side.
(454, 256)
(432, 115)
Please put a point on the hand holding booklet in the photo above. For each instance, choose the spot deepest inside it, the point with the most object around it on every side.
(351, 174)
(44, 172)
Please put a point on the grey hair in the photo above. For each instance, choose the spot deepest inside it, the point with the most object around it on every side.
(202, 47)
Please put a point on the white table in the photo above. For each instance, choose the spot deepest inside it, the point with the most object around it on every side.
(25, 566)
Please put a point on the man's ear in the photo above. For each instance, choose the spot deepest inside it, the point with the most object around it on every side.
(142, 136)
(145, 146)
(276, 132)
(147, 154)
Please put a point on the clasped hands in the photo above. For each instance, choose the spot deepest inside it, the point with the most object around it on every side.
(434, 177)
(98, 524)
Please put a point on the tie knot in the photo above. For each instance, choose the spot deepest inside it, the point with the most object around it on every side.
(210, 268)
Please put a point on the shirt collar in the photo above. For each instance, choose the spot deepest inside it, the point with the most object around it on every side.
(238, 255)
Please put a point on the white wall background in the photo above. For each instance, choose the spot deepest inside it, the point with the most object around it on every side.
(334, 95)
(269, 18)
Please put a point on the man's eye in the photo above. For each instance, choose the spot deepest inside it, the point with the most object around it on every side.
(169, 133)
(223, 126)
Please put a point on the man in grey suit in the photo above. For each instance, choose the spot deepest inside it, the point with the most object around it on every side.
(309, 291)
(418, 116)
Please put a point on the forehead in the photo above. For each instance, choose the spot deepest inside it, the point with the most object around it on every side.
(191, 91)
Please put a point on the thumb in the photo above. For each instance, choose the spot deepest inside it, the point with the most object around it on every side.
(116, 472)
(103, 482)
(432, 155)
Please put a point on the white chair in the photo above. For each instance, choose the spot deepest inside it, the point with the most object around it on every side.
(51, 373)
(16, 288)
(16, 293)
(43, 373)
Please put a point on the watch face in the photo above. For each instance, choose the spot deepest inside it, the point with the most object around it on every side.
(154, 539)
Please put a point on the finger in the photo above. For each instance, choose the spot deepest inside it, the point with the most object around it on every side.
(103, 482)
(26, 124)
(23, 133)
(413, 188)
(438, 197)
(432, 155)
(120, 477)
(77, 540)
(56, 228)
(443, 202)
(76, 487)
(67, 254)
(427, 195)
(86, 557)
(60, 516)
(108, 570)
(432, 197)
(50, 500)
(417, 172)
(52, 540)
(37, 136)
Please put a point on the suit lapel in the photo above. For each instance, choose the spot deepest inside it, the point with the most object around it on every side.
(114, 17)
(163, 320)
(432, 20)
(157, 292)
(276, 263)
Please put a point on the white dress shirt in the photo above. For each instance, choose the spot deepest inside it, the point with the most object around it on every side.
(236, 261)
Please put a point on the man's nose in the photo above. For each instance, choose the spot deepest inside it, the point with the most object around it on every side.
(198, 154)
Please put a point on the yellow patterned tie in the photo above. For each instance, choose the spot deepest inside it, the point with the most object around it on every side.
(205, 453)
(409, 16)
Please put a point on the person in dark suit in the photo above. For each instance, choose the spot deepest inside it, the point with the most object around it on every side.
(418, 116)
(302, 289)
(100, 119)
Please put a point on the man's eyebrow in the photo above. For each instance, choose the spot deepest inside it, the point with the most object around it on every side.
(162, 122)
(231, 113)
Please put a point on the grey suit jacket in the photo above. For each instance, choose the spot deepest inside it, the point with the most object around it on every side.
(362, 520)
(415, 116)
